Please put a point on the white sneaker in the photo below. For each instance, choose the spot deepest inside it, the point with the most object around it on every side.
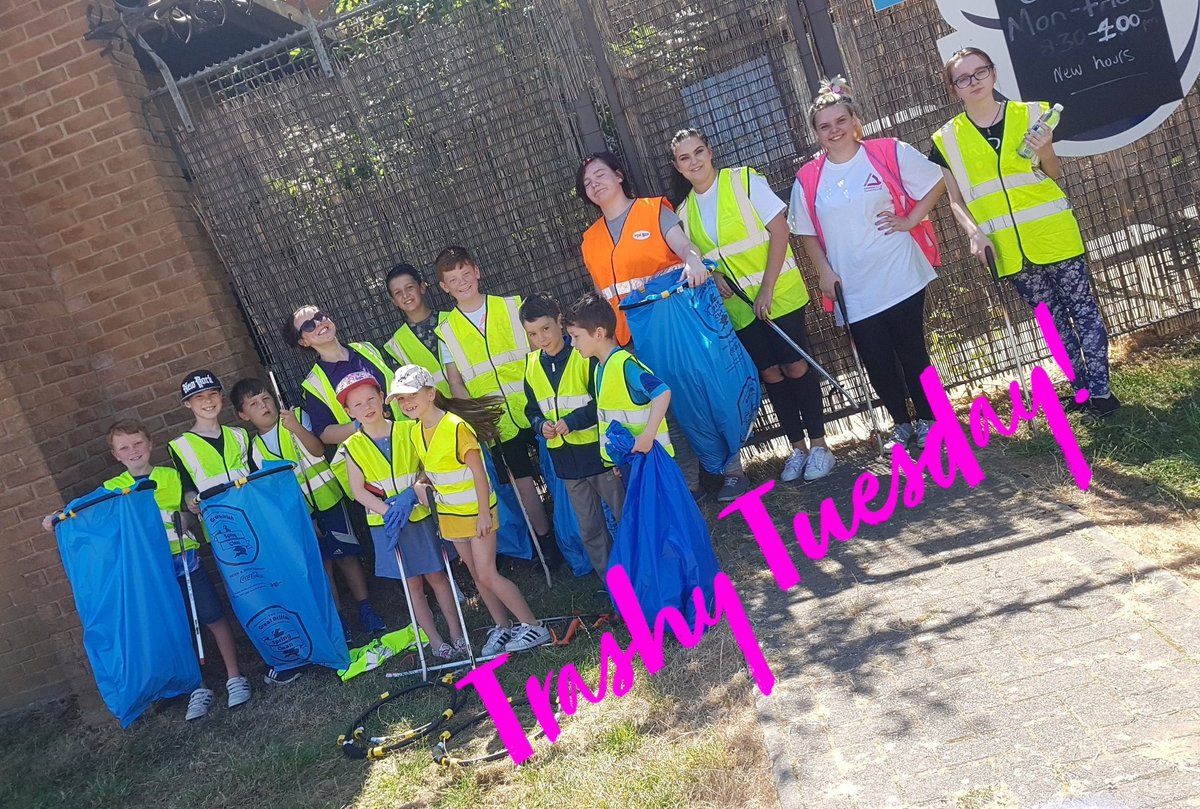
(527, 636)
(820, 464)
(239, 691)
(793, 467)
(199, 703)
(497, 639)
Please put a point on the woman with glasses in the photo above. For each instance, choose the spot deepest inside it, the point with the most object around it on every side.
(859, 208)
(313, 330)
(1011, 207)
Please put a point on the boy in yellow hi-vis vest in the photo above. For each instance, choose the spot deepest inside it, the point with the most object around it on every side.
(483, 352)
(130, 443)
(283, 436)
(626, 390)
(562, 408)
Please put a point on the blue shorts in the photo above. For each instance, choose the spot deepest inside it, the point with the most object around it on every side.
(208, 606)
(335, 538)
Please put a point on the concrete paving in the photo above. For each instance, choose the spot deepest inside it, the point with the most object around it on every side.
(991, 648)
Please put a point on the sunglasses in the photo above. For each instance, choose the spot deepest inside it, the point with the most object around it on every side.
(310, 325)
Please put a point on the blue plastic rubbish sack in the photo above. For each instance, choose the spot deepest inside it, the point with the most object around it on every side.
(263, 540)
(566, 527)
(136, 631)
(685, 337)
(512, 536)
(663, 541)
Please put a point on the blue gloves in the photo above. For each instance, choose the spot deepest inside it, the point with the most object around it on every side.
(400, 508)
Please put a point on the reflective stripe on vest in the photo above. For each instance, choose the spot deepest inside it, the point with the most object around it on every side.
(641, 252)
(453, 483)
(493, 361)
(570, 395)
(317, 482)
(317, 383)
(168, 494)
(208, 469)
(614, 404)
(1021, 210)
(407, 349)
(742, 246)
(392, 477)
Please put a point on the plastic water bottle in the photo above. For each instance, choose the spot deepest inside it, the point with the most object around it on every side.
(1048, 121)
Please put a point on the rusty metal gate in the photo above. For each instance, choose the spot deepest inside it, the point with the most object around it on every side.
(389, 132)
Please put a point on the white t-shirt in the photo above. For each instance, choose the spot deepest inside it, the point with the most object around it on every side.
(766, 202)
(476, 317)
(878, 270)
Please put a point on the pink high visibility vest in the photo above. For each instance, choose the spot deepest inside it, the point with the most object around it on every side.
(882, 154)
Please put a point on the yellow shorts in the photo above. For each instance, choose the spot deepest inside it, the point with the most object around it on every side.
(457, 528)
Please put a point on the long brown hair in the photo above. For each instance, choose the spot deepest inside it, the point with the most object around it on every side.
(482, 414)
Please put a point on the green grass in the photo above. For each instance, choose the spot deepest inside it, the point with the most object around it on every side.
(648, 748)
(1154, 439)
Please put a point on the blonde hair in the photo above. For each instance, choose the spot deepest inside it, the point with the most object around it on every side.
(831, 93)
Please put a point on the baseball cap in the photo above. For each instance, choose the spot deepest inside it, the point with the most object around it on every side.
(198, 382)
(354, 380)
(409, 379)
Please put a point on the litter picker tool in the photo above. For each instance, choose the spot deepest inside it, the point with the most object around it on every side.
(737, 290)
(177, 522)
(537, 546)
(862, 372)
(312, 499)
(1010, 334)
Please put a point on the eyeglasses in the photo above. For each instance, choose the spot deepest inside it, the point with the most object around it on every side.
(963, 82)
(310, 325)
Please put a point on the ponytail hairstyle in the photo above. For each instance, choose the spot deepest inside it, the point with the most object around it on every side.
(482, 414)
(831, 93)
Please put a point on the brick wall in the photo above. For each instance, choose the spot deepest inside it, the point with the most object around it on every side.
(109, 294)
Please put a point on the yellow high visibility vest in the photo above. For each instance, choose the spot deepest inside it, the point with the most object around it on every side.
(613, 403)
(453, 483)
(571, 394)
(392, 477)
(317, 383)
(206, 467)
(168, 494)
(492, 363)
(317, 481)
(407, 349)
(741, 246)
(1023, 211)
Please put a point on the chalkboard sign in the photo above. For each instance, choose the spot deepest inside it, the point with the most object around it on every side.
(1104, 60)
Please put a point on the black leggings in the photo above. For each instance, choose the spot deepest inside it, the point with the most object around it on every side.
(892, 347)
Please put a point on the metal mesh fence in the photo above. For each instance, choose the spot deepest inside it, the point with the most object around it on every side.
(465, 125)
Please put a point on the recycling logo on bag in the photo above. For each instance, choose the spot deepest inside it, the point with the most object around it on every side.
(1118, 67)
(233, 538)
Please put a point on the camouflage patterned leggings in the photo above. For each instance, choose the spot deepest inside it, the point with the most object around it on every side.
(1067, 290)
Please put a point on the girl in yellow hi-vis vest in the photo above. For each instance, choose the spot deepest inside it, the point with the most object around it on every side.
(381, 463)
(1011, 206)
(734, 218)
(447, 442)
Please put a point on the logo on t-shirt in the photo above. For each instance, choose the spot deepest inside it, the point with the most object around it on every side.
(641, 235)
(873, 182)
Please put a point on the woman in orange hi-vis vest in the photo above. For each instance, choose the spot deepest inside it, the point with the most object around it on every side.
(635, 239)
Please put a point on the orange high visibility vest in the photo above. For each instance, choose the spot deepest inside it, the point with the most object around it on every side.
(640, 253)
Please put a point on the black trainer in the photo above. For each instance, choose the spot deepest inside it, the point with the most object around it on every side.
(1099, 408)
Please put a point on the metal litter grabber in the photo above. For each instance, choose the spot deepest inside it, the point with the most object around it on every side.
(862, 372)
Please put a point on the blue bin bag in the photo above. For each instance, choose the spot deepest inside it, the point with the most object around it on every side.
(136, 630)
(685, 337)
(263, 540)
(512, 537)
(566, 527)
(663, 541)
